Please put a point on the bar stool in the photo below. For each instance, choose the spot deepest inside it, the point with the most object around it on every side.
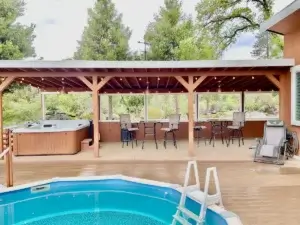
(199, 131)
(235, 130)
(128, 132)
(173, 126)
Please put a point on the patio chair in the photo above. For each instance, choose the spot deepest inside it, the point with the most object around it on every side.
(128, 132)
(199, 131)
(235, 129)
(173, 126)
(270, 147)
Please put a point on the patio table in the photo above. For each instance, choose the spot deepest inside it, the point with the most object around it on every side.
(218, 127)
(150, 129)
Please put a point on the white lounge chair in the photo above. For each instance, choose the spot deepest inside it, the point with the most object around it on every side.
(272, 147)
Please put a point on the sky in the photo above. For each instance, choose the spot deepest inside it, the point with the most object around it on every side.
(60, 23)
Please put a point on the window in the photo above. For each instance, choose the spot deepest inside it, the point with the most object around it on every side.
(261, 105)
(295, 95)
(111, 106)
(218, 105)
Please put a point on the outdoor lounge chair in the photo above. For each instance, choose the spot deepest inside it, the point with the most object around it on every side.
(269, 149)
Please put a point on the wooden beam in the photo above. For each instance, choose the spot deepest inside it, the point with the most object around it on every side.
(183, 82)
(1, 122)
(228, 72)
(86, 82)
(198, 82)
(96, 117)
(6, 82)
(273, 80)
(102, 83)
(243, 101)
(191, 148)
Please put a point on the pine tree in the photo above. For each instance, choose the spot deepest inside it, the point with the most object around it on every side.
(170, 26)
(105, 37)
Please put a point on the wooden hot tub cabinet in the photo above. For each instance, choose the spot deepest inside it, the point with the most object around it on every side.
(49, 143)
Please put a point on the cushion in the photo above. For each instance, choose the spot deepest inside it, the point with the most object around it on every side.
(269, 150)
(133, 129)
(200, 127)
(233, 127)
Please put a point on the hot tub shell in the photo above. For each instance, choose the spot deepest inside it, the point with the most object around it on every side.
(62, 139)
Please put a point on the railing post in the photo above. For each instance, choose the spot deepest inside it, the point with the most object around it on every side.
(8, 143)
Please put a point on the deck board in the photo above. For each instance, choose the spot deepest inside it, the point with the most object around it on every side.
(258, 193)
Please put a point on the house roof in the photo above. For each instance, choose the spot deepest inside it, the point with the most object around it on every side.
(285, 21)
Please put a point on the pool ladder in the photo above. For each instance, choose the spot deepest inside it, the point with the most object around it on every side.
(183, 214)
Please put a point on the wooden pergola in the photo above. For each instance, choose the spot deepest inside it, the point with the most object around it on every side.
(151, 76)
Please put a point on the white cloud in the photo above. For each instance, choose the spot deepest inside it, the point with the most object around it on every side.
(59, 23)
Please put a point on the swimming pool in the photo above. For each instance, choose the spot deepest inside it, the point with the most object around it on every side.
(114, 200)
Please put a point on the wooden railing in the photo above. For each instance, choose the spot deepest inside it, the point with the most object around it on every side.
(7, 154)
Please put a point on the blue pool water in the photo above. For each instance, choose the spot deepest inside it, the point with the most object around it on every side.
(105, 202)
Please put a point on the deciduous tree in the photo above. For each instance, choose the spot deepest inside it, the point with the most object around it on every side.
(228, 19)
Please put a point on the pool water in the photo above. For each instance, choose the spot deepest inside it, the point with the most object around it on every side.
(92, 218)
(105, 202)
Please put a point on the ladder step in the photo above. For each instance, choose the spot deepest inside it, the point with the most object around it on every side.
(189, 188)
(199, 196)
(190, 214)
(181, 220)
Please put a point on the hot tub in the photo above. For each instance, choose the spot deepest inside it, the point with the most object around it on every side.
(107, 200)
(50, 137)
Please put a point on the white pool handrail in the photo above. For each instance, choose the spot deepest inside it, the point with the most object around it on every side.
(194, 192)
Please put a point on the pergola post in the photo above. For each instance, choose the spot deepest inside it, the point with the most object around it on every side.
(5, 83)
(243, 101)
(191, 86)
(43, 106)
(8, 157)
(285, 99)
(95, 87)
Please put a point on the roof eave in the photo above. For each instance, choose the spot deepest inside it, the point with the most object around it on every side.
(287, 11)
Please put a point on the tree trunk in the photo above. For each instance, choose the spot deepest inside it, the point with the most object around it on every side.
(110, 113)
